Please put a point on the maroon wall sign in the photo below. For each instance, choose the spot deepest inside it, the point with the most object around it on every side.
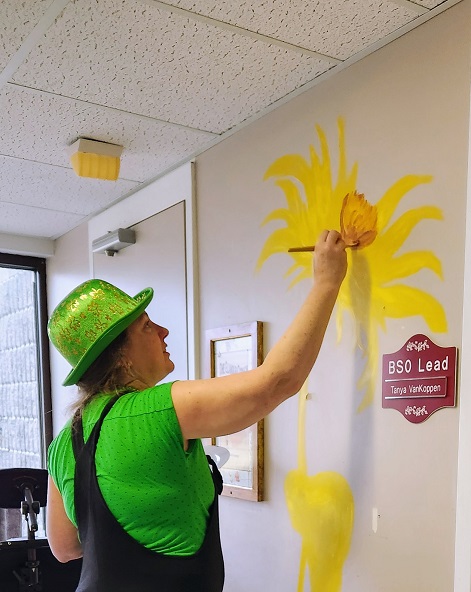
(419, 378)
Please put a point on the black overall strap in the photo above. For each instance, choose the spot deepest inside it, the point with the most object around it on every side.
(113, 561)
(77, 428)
(217, 477)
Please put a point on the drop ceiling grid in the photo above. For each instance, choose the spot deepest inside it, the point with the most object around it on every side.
(338, 29)
(55, 188)
(150, 146)
(429, 3)
(17, 20)
(130, 56)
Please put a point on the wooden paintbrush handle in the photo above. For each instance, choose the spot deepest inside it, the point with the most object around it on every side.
(300, 249)
(311, 248)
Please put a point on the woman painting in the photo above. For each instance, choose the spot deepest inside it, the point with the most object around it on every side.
(130, 488)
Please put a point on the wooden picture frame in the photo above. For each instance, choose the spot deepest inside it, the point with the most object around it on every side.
(233, 349)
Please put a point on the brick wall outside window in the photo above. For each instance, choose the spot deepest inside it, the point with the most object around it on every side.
(20, 429)
(25, 418)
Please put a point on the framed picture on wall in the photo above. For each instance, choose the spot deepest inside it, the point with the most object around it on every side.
(233, 349)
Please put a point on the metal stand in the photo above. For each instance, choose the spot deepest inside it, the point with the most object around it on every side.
(18, 485)
(28, 577)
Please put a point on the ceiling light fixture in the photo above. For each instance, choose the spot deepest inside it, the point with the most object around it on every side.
(95, 159)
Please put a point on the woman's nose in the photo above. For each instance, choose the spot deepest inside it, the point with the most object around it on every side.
(163, 331)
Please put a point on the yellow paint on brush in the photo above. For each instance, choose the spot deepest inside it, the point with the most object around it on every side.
(321, 509)
(358, 221)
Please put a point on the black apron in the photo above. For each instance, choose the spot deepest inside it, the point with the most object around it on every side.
(115, 562)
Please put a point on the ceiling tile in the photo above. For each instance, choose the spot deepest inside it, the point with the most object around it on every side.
(17, 20)
(31, 221)
(56, 188)
(38, 127)
(138, 58)
(338, 29)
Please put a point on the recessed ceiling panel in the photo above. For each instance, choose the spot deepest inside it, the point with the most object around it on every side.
(135, 57)
(338, 29)
(17, 20)
(38, 127)
(55, 188)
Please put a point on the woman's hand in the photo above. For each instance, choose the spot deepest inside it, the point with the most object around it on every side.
(330, 259)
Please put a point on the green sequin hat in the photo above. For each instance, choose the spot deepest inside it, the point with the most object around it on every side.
(89, 319)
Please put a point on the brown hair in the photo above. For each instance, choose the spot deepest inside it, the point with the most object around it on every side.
(105, 375)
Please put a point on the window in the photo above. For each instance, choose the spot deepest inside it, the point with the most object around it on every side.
(25, 394)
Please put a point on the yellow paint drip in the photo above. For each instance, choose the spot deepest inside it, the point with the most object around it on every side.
(321, 509)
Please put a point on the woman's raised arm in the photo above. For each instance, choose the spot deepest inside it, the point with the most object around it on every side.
(217, 406)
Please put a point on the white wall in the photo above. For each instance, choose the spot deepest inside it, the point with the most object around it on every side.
(65, 270)
(463, 509)
(406, 110)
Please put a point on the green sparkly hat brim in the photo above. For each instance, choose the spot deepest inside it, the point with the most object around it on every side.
(142, 302)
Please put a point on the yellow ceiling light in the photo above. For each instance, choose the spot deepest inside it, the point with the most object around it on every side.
(95, 159)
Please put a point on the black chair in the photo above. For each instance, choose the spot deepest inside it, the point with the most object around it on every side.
(27, 564)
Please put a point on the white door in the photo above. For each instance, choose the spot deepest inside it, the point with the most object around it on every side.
(157, 260)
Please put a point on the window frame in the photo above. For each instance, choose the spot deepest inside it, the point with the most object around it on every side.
(38, 265)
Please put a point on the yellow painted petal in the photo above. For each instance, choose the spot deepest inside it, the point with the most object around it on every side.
(346, 181)
(342, 178)
(299, 272)
(408, 264)
(291, 191)
(393, 238)
(303, 275)
(402, 301)
(278, 242)
(293, 166)
(390, 200)
(289, 165)
(321, 165)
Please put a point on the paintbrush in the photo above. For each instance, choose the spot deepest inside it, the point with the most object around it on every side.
(358, 223)
(311, 248)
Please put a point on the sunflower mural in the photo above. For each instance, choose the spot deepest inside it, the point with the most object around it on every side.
(321, 506)
(372, 291)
